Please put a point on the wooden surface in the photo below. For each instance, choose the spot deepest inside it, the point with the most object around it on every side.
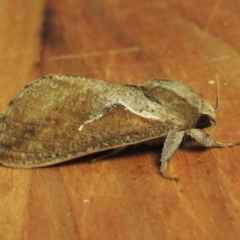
(123, 197)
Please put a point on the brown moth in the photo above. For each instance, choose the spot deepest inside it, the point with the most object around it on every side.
(58, 118)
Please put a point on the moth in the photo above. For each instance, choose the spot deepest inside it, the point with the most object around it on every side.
(59, 117)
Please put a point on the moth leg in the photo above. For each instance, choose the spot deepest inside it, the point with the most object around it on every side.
(109, 154)
(206, 140)
(171, 144)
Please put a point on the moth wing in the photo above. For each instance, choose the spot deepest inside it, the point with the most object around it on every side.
(55, 119)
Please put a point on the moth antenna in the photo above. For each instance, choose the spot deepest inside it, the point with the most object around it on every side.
(217, 97)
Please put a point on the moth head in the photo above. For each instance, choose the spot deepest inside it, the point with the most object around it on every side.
(207, 117)
(183, 91)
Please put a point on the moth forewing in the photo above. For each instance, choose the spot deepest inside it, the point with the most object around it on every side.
(58, 118)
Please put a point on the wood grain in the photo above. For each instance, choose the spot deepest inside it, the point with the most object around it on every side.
(123, 197)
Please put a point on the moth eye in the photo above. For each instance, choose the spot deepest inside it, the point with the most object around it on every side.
(204, 121)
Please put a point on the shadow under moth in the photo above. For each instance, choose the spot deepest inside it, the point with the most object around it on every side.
(58, 118)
